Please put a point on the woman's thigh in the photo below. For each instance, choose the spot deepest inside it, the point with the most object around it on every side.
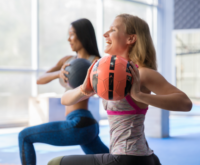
(59, 133)
(106, 159)
(79, 160)
(98, 159)
(74, 160)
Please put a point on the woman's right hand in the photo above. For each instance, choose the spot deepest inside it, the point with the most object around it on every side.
(86, 86)
(63, 72)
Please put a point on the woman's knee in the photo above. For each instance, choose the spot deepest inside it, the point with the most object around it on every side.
(55, 161)
(22, 134)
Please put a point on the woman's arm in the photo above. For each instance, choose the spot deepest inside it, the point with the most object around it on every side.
(47, 77)
(167, 96)
(52, 73)
(73, 96)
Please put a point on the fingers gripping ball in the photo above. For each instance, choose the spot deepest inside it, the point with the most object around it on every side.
(111, 78)
(77, 71)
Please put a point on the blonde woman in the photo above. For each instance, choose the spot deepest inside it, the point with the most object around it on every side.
(129, 37)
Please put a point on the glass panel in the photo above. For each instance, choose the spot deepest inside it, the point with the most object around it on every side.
(55, 18)
(154, 2)
(15, 90)
(187, 63)
(15, 33)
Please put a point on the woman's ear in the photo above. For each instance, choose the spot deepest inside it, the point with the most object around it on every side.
(132, 39)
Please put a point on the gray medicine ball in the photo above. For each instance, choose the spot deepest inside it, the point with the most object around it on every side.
(77, 71)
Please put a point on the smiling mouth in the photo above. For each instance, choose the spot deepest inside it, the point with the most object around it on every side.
(108, 42)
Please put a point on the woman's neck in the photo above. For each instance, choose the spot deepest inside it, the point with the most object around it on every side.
(124, 54)
(82, 53)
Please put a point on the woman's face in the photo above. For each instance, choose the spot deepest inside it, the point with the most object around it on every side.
(116, 38)
(73, 40)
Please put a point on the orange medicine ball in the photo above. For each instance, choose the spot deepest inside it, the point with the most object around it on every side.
(111, 78)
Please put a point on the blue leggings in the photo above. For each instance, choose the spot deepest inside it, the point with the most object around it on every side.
(80, 128)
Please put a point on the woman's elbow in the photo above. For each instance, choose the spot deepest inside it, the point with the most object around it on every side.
(64, 102)
(41, 81)
(38, 82)
(187, 106)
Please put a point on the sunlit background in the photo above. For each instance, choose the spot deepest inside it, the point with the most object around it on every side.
(33, 38)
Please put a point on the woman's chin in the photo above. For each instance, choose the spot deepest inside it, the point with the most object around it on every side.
(108, 51)
(74, 50)
(105, 52)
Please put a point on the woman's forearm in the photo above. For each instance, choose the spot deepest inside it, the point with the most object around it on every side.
(173, 102)
(73, 96)
(47, 77)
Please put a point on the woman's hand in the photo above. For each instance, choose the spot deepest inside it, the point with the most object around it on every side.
(63, 72)
(135, 89)
(86, 86)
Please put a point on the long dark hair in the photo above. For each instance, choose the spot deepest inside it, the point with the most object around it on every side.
(86, 35)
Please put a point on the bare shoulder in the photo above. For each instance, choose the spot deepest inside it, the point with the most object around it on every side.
(147, 74)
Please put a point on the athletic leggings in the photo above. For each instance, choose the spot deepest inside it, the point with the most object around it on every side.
(105, 159)
(80, 128)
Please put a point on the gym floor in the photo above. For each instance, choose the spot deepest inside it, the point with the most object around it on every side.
(182, 148)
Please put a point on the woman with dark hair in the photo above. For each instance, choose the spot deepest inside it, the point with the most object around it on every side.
(80, 127)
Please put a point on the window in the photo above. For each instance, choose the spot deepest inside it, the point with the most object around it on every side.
(15, 60)
(21, 62)
(187, 62)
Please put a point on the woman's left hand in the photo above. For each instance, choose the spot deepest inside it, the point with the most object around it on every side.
(135, 89)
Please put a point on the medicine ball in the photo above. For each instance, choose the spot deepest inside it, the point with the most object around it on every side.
(77, 71)
(111, 78)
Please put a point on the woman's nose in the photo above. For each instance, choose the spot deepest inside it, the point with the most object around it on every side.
(105, 34)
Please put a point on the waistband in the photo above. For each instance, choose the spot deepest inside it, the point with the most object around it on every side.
(80, 113)
(132, 112)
